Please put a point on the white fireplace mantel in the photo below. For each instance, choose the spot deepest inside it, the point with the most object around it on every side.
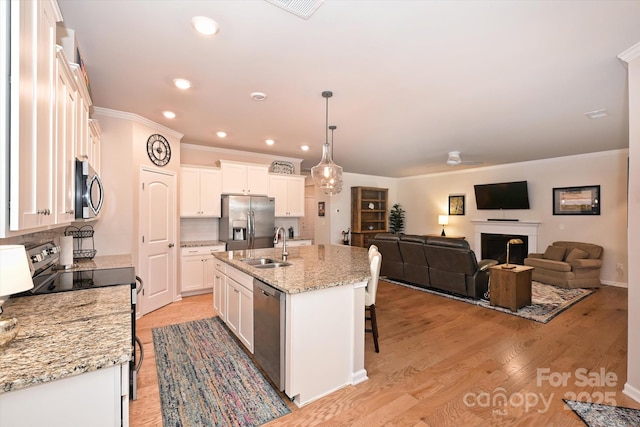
(521, 228)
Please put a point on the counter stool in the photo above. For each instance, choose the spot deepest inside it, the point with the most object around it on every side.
(375, 258)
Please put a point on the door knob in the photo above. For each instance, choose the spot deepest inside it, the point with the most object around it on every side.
(171, 245)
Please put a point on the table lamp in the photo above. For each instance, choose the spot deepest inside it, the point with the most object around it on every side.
(511, 242)
(15, 277)
(443, 220)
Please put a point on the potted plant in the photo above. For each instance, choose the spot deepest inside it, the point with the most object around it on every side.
(396, 219)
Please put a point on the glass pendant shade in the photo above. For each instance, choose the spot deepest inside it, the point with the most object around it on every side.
(327, 175)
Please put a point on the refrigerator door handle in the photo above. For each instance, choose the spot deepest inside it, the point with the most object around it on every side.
(251, 231)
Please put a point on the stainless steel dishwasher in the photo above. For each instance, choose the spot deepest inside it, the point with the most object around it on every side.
(268, 330)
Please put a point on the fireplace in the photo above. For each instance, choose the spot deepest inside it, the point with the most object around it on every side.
(494, 246)
(525, 230)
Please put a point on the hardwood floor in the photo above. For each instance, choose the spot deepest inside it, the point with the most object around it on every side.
(446, 363)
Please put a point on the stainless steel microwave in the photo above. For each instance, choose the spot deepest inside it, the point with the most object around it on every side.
(89, 191)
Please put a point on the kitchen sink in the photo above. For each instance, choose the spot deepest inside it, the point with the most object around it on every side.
(265, 262)
(273, 265)
(258, 261)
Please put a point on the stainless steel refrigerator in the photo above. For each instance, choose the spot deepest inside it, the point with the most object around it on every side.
(247, 222)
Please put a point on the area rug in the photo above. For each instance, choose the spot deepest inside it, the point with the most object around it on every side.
(599, 415)
(547, 301)
(206, 379)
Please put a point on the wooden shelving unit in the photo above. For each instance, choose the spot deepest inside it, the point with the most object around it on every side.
(369, 214)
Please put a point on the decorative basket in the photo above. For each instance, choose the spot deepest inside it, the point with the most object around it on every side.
(279, 166)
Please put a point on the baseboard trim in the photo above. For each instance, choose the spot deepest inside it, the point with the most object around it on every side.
(616, 284)
(359, 376)
(632, 392)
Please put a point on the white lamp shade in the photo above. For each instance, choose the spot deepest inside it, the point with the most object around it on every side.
(443, 219)
(15, 275)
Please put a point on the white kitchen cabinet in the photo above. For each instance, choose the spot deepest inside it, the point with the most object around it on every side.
(97, 398)
(95, 138)
(199, 192)
(197, 268)
(239, 308)
(66, 103)
(220, 289)
(288, 191)
(32, 120)
(83, 145)
(244, 178)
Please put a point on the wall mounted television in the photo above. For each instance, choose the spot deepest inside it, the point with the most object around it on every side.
(504, 195)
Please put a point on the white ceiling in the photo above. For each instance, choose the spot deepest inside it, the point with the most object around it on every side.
(500, 81)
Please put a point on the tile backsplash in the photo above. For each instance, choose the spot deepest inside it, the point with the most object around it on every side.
(196, 229)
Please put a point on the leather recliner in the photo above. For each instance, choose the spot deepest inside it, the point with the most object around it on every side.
(416, 267)
(453, 267)
(445, 264)
(392, 265)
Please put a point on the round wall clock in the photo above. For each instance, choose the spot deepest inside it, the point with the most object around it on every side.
(158, 149)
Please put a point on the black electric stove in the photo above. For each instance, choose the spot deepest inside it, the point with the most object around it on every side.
(63, 281)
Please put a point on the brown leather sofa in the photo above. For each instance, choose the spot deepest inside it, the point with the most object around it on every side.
(433, 263)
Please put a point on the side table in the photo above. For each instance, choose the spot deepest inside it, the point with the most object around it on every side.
(510, 288)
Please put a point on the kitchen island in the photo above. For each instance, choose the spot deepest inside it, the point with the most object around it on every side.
(324, 287)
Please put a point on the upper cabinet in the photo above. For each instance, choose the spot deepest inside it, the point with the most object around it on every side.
(244, 178)
(83, 144)
(288, 191)
(95, 136)
(32, 122)
(199, 192)
(66, 103)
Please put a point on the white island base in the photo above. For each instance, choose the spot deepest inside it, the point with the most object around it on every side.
(324, 341)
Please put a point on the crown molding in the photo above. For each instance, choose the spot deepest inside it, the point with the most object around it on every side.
(630, 54)
(138, 119)
(187, 146)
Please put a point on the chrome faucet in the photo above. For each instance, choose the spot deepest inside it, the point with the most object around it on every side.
(285, 254)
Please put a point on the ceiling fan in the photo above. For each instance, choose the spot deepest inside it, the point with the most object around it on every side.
(455, 160)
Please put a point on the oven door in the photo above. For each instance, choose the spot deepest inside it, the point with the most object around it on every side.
(89, 191)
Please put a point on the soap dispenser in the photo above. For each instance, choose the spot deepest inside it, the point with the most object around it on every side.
(291, 232)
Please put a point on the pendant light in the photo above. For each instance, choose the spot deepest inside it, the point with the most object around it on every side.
(326, 174)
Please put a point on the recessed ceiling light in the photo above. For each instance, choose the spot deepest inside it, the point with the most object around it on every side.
(204, 25)
(182, 83)
(270, 141)
(304, 147)
(597, 114)
(169, 114)
(258, 96)
(221, 134)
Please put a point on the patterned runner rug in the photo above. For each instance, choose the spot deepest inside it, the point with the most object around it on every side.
(206, 379)
(599, 415)
(547, 301)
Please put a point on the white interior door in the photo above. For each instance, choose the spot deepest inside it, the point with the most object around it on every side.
(158, 254)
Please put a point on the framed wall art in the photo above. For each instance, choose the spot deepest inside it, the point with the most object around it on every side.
(456, 205)
(576, 200)
(320, 208)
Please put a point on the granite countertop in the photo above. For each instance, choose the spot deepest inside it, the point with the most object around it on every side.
(194, 243)
(65, 334)
(312, 267)
(102, 262)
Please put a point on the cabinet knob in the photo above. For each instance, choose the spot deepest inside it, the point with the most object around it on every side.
(171, 245)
